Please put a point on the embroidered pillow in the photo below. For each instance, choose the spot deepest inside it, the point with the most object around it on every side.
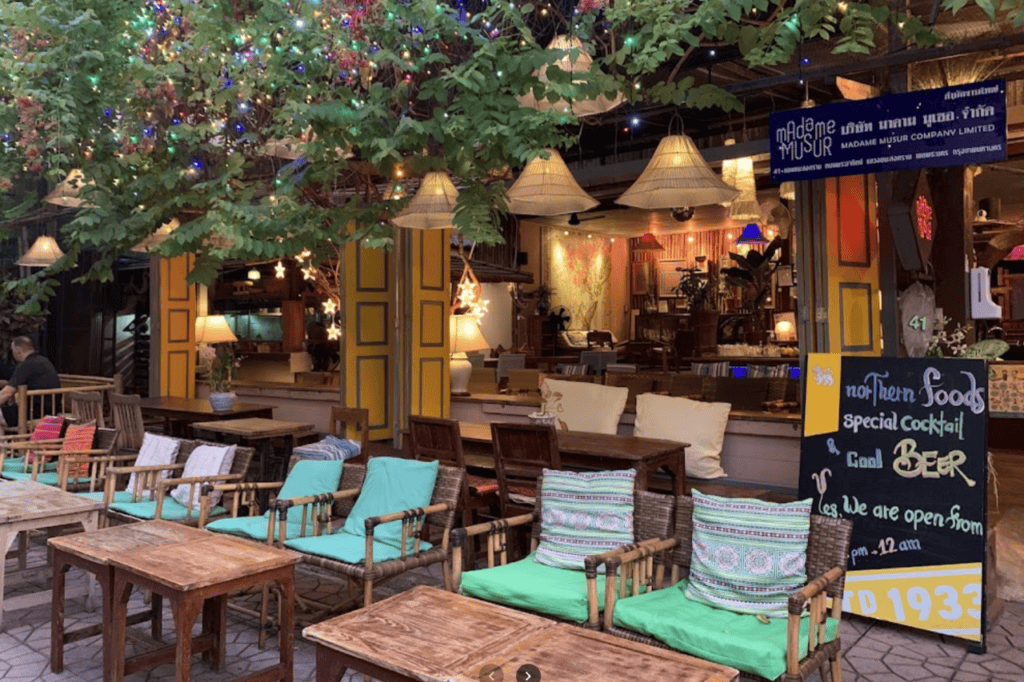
(748, 555)
(77, 438)
(584, 514)
(155, 451)
(203, 462)
(46, 428)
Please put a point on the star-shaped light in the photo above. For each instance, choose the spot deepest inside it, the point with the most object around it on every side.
(303, 256)
(333, 332)
(308, 273)
(330, 306)
(279, 270)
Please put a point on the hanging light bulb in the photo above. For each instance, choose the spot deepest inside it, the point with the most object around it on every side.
(745, 206)
(729, 169)
(253, 275)
(676, 176)
(546, 187)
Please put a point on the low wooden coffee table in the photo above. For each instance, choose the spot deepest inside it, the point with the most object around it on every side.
(92, 552)
(25, 506)
(428, 634)
(196, 577)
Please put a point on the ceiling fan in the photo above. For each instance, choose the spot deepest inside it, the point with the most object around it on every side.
(575, 219)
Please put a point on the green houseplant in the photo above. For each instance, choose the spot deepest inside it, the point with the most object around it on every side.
(753, 275)
(220, 366)
(701, 292)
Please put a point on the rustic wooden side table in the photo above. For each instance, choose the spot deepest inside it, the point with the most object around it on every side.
(196, 578)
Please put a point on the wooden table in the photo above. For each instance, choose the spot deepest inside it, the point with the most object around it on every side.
(257, 432)
(92, 552)
(195, 578)
(599, 450)
(178, 413)
(427, 634)
(26, 506)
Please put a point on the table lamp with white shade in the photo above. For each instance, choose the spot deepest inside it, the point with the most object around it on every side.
(466, 336)
(212, 329)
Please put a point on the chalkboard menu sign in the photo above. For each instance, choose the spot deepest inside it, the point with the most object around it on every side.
(899, 447)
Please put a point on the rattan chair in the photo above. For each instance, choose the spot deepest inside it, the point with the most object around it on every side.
(521, 453)
(74, 470)
(436, 520)
(652, 520)
(827, 553)
(126, 413)
(86, 407)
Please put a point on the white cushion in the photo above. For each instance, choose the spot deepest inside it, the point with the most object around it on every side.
(205, 461)
(155, 451)
(582, 406)
(700, 424)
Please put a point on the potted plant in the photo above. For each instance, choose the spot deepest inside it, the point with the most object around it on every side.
(220, 366)
(753, 275)
(542, 294)
(701, 292)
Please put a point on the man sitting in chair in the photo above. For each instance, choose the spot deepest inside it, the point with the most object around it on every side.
(33, 370)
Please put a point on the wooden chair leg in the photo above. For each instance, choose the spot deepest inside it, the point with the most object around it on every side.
(367, 592)
(264, 615)
(836, 667)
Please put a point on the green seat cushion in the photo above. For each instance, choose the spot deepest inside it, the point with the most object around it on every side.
(18, 464)
(347, 548)
(528, 585)
(253, 527)
(391, 485)
(734, 639)
(44, 477)
(119, 496)
(172, 511)
(311, 477)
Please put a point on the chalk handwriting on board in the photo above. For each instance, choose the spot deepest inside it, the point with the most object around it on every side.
(823, 377)
(910, 463)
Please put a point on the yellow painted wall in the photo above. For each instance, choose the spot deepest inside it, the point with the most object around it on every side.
(177, 328)
(430, 287)
(855, 326)
(368, 343)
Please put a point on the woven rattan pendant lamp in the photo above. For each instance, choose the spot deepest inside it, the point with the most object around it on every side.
(729, 169)
(745, 206)
(67, 192)
(43, 253)
(433, 205)
(676, 176)
(581, 64)
(546, 187)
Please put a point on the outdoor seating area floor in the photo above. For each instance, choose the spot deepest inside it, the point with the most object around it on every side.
(873, 651)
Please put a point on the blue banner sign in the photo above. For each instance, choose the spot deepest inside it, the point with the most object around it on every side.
(943, 127)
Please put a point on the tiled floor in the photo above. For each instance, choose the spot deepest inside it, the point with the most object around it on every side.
(874, 652)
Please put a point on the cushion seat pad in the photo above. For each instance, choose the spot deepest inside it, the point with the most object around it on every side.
(733, 639)
(347, 548)
(172, 511)
(253, 527)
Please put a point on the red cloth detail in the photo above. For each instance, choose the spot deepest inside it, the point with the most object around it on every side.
(76, 439)
(47, 428)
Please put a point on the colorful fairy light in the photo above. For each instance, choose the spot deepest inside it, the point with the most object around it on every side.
(925, 217)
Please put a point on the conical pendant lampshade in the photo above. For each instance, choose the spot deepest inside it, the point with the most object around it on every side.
(648, 242)
(752, 236)
(745, 206)
(44, 253)
(729, 169)
(433, 206)
(677, 175)
(158, 237)
(546, 187)
(66, 193)
(582, 64)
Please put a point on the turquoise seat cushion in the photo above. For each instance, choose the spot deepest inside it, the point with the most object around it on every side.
(253, 527)
(737, 640)
(119, 496)
(391, 485)
(348, 548)
(533, 586)
(18, 464)
(172, 511)
(44, 477)
(311, 477)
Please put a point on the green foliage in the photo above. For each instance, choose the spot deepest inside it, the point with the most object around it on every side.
(753, 274)
(19, 315)
(700, 289)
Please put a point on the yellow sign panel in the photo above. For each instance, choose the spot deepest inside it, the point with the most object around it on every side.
(945, 599)
(821, 414)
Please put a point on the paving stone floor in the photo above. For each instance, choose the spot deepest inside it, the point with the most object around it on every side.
(873, 651)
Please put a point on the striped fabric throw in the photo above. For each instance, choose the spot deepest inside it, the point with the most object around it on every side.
(748, 555)
(77, 438)
(756, 371)
(46, 428)
(584, 514)
(710, 369)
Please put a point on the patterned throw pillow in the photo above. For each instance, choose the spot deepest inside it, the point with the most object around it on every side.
(77, 438)
(748, 555)
(46, 428)
(584, 514)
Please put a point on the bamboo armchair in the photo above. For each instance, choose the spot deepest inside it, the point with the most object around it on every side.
(86, 406)
(643, 567)
(435, 520)
(69, 463)
(151, 478)
(652, 520)
(126, 413)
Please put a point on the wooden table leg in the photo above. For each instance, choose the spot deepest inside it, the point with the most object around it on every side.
(329, 666)
(215, 619)
(185, 608)
(6, 540)
(679, 475)
(60, 569)
(286, 623)
(114, 627)
(157, 616)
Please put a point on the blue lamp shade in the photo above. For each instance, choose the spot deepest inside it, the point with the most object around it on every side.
(752, 235)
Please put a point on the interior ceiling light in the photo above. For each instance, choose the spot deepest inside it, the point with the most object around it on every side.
(676, 176)
(433, 206)
(682, 214)
(752, 236)
(547, 188)
(648, 242)
(583, 63)
(745, 206)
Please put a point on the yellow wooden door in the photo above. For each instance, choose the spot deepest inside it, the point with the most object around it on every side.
(177, 352)
(429, 288)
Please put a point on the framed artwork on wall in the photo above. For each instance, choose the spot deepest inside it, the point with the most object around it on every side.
(668, 277)
(643, 278)
(785, 276)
